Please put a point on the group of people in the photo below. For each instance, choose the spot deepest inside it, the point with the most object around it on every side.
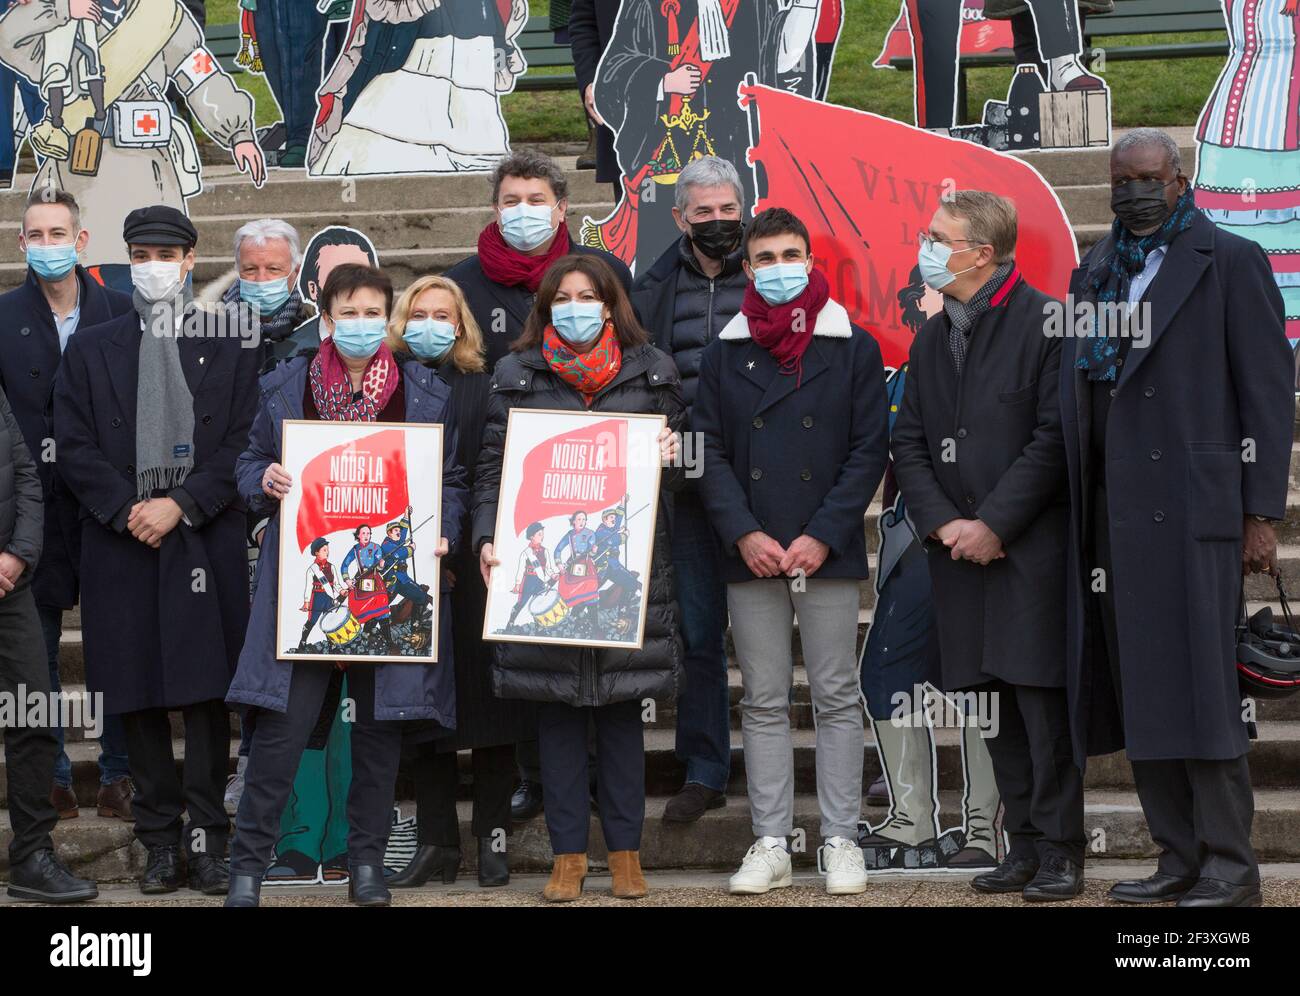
(1007, 443)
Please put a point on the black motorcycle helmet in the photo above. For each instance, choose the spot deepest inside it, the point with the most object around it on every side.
(1268, 656)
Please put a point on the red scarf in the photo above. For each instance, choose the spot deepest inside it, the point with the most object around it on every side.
(773, 325)
(509, 267)
(331, 387)
(585, 372)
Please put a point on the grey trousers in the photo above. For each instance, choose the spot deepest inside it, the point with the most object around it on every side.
(762, 623)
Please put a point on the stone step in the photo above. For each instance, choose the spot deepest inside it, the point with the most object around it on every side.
(104, 849)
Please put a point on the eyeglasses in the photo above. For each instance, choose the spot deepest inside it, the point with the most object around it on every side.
(927, 242)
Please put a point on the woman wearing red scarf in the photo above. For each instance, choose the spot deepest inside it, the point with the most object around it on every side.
(352, 378)
(583, 350)
(527, 233)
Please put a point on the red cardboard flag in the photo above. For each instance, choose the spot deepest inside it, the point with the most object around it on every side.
(580, 471)
(354, 484)
(865, 185)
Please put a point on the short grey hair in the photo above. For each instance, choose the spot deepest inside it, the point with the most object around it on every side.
(262, 230)
(528, 165)
(990, 220)
(707, 171)
(1143, 137)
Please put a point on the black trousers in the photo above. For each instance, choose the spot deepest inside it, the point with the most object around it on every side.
(279, 739)
(936, 30)
(1049, 29)
(162, 798)
(435, 793)
(29, 751)
(1199, 812)
(1033, 765)
(620, 781)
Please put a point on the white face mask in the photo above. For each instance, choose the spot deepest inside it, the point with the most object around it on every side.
(156, 280)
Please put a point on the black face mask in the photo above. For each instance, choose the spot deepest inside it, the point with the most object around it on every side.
(1140, 204)
(717, 239)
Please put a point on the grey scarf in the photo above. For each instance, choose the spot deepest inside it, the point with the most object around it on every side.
(962, 315)
(164, 407)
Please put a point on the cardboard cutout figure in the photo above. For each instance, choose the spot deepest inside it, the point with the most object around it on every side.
(667, 86)
(417, 88)
(977, 35)
(1248, 159)
(109, 135)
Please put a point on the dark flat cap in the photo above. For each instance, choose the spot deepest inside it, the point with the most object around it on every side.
(159, 225)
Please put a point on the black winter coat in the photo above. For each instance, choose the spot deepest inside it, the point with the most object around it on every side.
(591, 25)
(500, 310)
(20, 496)
(1216, 373)
(987, 445)
(646, 384)
(29, 359)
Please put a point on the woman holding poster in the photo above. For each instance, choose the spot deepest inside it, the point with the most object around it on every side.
(354, 377)
(432, 322)
(583, 350)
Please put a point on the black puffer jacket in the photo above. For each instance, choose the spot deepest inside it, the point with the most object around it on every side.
(647, 383)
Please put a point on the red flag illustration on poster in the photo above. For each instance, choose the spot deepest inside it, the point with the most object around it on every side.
(362, 523)
(866, 196)
(575, 529)
(978, 35)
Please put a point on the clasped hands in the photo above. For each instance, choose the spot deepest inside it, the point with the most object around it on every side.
(970, 539)
(766, 558)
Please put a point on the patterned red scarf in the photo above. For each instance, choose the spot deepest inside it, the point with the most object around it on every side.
(331, 387)
(585, 372)
(773, 326)
(503, 264)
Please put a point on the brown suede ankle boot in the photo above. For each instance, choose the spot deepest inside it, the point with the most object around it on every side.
(567, 875)
(625, 867)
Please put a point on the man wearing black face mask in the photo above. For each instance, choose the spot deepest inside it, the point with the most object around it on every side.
(685, 299)
(1177, 416)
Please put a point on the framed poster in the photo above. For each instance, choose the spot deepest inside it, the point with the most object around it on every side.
(358, 575)
(575, 528)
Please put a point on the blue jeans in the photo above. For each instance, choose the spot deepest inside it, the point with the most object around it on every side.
(290, 36)
(32, 103)
(112, 742)
(703, 703)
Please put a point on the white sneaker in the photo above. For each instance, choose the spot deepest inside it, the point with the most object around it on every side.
(766, 866)
(846, 873)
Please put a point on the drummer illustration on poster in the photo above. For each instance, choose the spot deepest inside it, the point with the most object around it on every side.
(591, 487)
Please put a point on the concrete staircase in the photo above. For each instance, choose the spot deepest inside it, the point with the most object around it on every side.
(422, 224)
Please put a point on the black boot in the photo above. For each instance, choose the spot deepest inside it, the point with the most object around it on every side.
(245, 890)
(366, 886)
(493, 866)
(209, 875)
(164, 870)
(428, 860)
(41, 878)
(526, 802)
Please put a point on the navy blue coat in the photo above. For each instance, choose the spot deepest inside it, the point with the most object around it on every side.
(790, 460)
(402, 691)
(162, 628)
(1217, 372)
(29, 358)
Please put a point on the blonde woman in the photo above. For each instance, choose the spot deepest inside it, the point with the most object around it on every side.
(432, 323)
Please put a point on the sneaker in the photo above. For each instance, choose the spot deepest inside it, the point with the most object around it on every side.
(235, 786)
(766, 866)
(846, 873)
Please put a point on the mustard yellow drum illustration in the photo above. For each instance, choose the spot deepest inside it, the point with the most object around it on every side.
(340, 626)
(548, 608)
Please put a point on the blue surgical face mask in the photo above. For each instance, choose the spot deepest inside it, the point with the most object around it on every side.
(781, 282)
(52, 262)
(267, 296)
(578, 322)
(932, 260)
(527, 226)
(359, 338)
(429, 338)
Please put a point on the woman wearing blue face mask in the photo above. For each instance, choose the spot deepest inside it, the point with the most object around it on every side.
(432, 322)
(354, 377)
(582, 349)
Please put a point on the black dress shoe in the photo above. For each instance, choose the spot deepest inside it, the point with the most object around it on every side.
(493, 866)
(526, 802)
(1010, 876)
(1210, 892)
(42, 878)
(692, 802)
(428, 860)
(1159, 888)
(1058, 879)
(245, 890)
(164, 870)
(366, 886)
(209, 875)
